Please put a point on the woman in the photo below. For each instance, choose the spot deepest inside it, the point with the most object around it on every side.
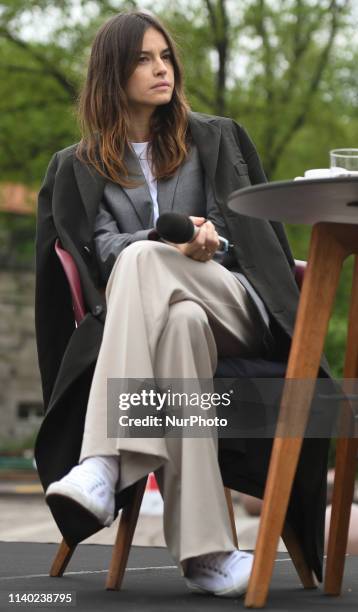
(170, 309)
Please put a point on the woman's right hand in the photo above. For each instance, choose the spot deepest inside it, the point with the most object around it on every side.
(205, 243)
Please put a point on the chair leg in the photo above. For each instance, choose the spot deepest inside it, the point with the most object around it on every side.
(295, 551)
(230, 508)
(346, 457)
(126, 528)
(62, 559)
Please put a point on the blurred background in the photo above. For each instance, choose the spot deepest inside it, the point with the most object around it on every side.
(287, 70)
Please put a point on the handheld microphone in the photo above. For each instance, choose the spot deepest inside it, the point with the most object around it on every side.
(178, 228)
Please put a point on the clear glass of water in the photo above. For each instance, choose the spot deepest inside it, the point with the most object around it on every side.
(344, 161)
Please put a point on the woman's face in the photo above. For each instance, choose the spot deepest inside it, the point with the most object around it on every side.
(154, 67)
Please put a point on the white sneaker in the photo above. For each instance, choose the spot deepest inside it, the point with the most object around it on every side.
(88, 488)
(225, 574)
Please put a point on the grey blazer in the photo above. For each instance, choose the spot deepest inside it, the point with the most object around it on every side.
(125, 215)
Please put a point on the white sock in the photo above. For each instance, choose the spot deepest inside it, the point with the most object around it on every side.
(109, 464)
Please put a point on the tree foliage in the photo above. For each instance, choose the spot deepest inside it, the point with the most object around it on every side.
(284, 69)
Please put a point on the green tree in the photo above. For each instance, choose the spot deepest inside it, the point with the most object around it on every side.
(286, 70)
(270, 65)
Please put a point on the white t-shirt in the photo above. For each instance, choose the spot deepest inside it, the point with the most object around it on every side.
(140, 149)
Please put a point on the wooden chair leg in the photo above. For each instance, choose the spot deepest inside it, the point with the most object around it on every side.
(126, 528)
(346, 458)
(62, 559)
(293, 546)
(295, 551)
(323, 271)
(230, 508)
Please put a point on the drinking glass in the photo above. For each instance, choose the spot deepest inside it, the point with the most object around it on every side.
(344, 161)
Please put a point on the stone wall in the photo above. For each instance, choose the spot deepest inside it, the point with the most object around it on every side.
(20, 390)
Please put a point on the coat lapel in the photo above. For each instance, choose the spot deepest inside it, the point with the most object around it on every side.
(91, 186)
(206, 135)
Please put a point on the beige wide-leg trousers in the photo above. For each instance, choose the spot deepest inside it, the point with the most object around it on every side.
(169, 316)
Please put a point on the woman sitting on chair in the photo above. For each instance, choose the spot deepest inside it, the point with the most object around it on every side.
(171, 309)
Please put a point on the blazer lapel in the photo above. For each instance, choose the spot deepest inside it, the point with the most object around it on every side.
(91, 186)
(166, 192)
(139, 196)
(206, 136)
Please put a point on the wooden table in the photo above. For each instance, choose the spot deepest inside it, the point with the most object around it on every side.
(331, 206)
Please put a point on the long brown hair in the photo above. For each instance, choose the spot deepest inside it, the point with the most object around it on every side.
(103, 108)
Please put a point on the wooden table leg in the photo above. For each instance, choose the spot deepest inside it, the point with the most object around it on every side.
(319, 288)
(346, 458)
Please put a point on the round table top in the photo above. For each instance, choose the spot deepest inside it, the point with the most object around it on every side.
(306, 201)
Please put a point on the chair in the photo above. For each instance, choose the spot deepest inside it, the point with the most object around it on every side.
(130, 512)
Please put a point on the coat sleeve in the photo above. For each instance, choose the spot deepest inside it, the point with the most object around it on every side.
(54, 320)
(257, 175)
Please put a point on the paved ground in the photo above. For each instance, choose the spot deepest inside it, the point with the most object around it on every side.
(25, 517)
(151, 583)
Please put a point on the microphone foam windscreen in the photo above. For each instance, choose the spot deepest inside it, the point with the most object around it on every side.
(175, 227)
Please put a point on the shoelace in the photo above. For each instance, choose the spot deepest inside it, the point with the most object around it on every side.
(92, 481)
(219, 562)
